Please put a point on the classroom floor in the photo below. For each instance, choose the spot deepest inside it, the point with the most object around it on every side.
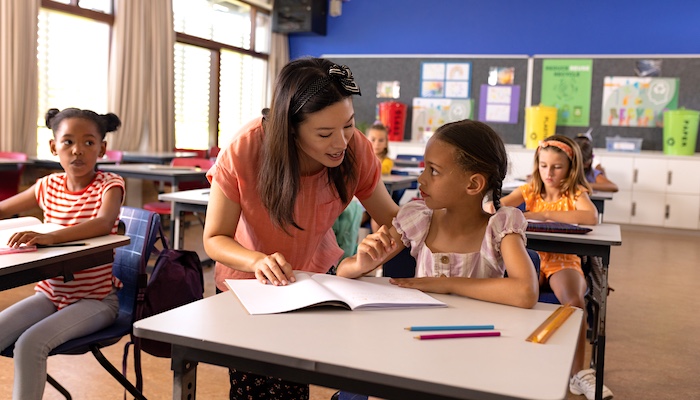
(652, 348)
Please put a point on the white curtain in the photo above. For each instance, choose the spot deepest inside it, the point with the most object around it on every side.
(141, 75)
(279, 57)
(18, 75)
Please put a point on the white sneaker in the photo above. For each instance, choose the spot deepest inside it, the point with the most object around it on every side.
(584, 383)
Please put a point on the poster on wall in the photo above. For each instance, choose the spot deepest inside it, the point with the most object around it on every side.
(638, 101)
(566, 85)
(445, 80)
(388, 89)
(429, 114)
(499, 103)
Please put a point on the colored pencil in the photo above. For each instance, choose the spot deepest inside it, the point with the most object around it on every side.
(42, 246)
(450, 328)
(458, 335)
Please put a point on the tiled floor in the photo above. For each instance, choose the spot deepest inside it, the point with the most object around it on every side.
(653, 349)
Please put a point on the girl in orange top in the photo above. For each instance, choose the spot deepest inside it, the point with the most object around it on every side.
(558, 192)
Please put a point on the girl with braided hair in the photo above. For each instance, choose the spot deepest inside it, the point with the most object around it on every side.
(459, 247)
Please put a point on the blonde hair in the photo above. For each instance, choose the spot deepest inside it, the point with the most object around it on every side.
(381, 127)
(576, 180)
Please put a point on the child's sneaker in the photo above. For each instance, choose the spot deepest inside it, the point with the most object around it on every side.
(584, 383)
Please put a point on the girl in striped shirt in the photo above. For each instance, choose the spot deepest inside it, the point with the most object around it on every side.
(87, 203)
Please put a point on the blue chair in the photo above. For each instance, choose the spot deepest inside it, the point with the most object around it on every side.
(129, 266)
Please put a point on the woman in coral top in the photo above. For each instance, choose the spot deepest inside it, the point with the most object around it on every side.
(279, 186)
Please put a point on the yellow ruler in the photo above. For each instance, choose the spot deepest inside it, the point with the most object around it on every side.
(551, 324)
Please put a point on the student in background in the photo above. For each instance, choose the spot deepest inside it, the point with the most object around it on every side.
(378, 135)
(558, 191)
(87, 202)
(279, 185)
(459, 247)
(595, 176)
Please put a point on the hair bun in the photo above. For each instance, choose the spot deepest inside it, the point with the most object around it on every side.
(50, 116)
(112, 122)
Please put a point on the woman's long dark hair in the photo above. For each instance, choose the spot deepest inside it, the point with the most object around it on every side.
(279, 175)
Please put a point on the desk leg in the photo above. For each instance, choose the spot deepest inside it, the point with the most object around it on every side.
(600, 346)
(184, 380)
(177, 231)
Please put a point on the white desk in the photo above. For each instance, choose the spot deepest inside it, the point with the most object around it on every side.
(369, 351)
(595, 243)
(23, 268)
(155, 157)
(154, 172)
(10, 164)
(187, 200)
(162, 173)
(398, 182)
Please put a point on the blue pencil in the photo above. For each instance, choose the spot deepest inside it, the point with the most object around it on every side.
(450, 328)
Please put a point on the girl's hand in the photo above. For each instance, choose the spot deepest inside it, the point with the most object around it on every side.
(274, 269)
(433, 285)
(374, 248)
(30, 238)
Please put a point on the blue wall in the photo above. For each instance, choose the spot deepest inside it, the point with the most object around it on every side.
(507, 27)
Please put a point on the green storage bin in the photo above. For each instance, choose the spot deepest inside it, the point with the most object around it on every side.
(680, 131)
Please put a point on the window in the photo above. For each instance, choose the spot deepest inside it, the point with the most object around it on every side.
(67, 76)
(220, 68)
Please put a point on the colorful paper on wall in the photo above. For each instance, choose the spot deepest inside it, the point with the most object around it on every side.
(638, 101)
(445, 80)
(566, 85)
(430, 114)
(499, 104)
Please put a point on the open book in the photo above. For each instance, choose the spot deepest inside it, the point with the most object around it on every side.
(322, 289)
(11, 225)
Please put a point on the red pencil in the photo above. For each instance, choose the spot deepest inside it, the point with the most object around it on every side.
(458, 335)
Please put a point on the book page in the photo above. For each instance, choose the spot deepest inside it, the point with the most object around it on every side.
(269, 299)
(12, 225)
(9, 223)
(366, 293)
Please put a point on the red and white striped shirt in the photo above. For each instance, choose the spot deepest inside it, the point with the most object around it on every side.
(67, 208)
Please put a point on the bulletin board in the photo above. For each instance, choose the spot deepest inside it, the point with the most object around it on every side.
(370, 69)
(685, 68)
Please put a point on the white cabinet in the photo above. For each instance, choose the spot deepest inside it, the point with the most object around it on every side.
(682, 211)
(683, 176)
(619, 169)
(655, 190)
(648, 208)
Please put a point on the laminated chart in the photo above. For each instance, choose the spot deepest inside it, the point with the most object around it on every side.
(638, 101)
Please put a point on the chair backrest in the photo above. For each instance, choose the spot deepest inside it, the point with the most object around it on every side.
(10, 180)
(130, 261)
(114, 155)
(214, 151)
(203, 163)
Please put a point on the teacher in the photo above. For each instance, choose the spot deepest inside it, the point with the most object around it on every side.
(277, 188)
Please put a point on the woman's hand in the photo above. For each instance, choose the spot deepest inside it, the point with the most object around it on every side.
(374, 249)
(274, 269)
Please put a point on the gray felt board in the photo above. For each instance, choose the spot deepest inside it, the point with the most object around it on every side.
(368, 70)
